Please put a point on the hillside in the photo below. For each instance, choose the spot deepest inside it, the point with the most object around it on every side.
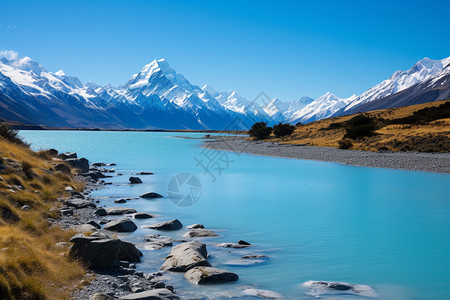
(32, 265)
(395, 129)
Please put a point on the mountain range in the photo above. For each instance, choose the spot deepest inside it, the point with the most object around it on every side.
(157, 97)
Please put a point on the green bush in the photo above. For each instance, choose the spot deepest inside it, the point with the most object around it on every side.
(360, 126)
(283, 129)
(260, 131)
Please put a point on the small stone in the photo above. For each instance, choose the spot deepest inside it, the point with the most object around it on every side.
(135, 180)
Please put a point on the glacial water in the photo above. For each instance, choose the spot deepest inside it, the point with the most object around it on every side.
(389, 229)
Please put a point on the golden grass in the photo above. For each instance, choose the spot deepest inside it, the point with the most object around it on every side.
(314, 134)
(31, 266)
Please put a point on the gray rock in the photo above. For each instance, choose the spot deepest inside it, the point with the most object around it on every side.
(101, 296)
(195, 226)
(79, 203)
(26, 207)
(156, 242)
(318, 288)
(95, 175)
(185, 256)
(241, 242)
(134, 180)
(67, 155)
(95, 224)
(143, 216)
(150, 195)
(129, 252)
(121, 225)
(97, 254)
(66, 211)
(266, 294)
(205, 275)
(100, 212)
(231, 245)
(156, 294)
(81, 164)
(120, 210)
(120, 201)
(168, 225)
(200, 233)
(84, 228)
(125, 287)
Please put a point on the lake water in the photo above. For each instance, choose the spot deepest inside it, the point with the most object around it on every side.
(389, 229)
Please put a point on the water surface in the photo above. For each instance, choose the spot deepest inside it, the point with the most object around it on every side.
(389, 229)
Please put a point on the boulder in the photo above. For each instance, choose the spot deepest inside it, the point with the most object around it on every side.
(135, 180)
(195, 226)
(96, 253)
(156, 294)
(52, 152)
(67, 155)
(231, 245)
(100, 212)
(84, 228)
(185, 256)
(62, 168)
(93, 223)
(101, 296)
(81, 164)
(151, 195)
(155, 242)
(205, 275)
(168, 225)
(120, 201)
(79, 203)
(319, 288)
(200, 233)
(120, 210)
(121, 225)
(101, 253)
(143, 216)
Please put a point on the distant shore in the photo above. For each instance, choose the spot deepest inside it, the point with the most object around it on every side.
(414, 161)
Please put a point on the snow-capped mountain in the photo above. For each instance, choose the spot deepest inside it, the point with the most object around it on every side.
(157, 97)
(329, 105)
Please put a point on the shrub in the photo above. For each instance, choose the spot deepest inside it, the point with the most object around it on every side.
(345, 144)
(360, 126)
(12, 135)
(283, 129)
(260, 131)
(425, 115)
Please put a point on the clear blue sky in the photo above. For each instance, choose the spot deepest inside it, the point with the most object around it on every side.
(286, 48)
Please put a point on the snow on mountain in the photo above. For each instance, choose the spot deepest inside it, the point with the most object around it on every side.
(400, 80)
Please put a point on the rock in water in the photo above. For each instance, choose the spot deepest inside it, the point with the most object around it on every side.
(97, 254)
(121, 225)
(185, 256)
(195, 226)
(151, 195)
(120, 211)
(318, 288)
(135, 180)
(143, 216)
(200, 233)
(262, 294)
(231, 245)
(168, 225)
(156, 294)
(205, 275)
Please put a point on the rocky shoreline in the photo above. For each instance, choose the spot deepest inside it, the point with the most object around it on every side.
(414, 161)
(112, 262)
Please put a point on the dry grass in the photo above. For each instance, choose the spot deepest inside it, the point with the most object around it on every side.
(31, 266)
(393, 137)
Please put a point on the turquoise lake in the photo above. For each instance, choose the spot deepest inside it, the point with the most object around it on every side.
(389, 229)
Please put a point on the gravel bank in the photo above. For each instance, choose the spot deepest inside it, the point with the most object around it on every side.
(429, 162)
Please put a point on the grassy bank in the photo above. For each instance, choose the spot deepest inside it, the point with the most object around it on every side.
(422, 128)
(32, 266)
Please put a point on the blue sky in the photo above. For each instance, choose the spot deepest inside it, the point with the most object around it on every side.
(288, 49)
